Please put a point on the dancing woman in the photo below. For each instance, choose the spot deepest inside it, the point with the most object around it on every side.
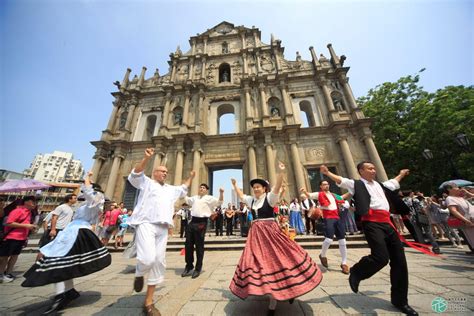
(266, 267)
(75, 252)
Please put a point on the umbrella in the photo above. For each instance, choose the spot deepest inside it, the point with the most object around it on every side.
(20, 185)
(458, 182)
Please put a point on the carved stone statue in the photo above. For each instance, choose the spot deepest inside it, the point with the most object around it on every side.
(274, 111)
(123, 120)
(178, 118)
(298, 56)
(338, 104)
(178, 51)
(225, 48)
(225, 76)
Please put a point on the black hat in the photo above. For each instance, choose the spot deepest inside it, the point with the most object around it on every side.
(263, 182)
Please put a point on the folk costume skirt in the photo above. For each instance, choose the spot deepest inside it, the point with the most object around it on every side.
(273, 264)
(86, 256)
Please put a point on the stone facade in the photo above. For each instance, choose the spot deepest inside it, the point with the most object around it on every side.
(230, 70)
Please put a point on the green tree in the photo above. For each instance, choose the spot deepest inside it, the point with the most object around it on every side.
(408, 120)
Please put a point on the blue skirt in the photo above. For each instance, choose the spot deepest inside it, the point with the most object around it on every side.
(296, 222)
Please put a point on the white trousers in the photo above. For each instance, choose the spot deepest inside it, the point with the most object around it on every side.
(151, 242)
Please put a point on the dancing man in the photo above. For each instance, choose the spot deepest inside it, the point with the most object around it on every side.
(371, 200)
(152, 217)
(202, 206)
(333, 225)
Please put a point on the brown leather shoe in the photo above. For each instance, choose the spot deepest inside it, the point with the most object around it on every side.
(345, 268)
(138, 284)
(324, 261)
(151, 310)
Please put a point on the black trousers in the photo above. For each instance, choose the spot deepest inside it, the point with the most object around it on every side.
(184, 224)
(45, 238)
(219, 225)
(309, 223)
(195, 233)
(385, 246)
(229, 227)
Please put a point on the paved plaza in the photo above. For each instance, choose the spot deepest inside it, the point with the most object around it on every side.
(109, 292)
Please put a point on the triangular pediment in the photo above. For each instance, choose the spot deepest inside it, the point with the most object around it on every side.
(223, 28)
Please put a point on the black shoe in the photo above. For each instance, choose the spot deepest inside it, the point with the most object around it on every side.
(406, 309)
(437, 251)
(60, 301)
(354, 282)
(72, 294)
(271, 312)
(138, 284)
(186, 272)
(196, 273)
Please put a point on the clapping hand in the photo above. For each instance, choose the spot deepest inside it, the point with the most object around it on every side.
(149, 152)
(404, 172)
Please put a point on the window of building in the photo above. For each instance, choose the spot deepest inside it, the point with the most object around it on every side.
(307, 118)
(149, 127)
(226, 119)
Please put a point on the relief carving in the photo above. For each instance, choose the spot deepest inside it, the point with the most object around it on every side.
(315, 153)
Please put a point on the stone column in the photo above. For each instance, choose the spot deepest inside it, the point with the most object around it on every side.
(203, 68)
(109, 192)
(193, 47)
(178, 176)
(277, 59)
(255, 39)
(186, 108)
(125, 80)
(334, 57)
(158, 159)
(99, 160)
(205, 45)
(142, 77)
(348, 92)
(295, 156)
(347, 156)
(252, 162)
(242, 37)
(113, 116)
(166, 110)
(191, 69)
(131, 112)
(270, 158)
(135, 116)
(259, 69)
(199, 109)
(287, 104)
(263, 100)
(245, 67)
(248, 105)
(173, 71)
(327, 96)
(315, 58)
(375, 158)
(196, 167)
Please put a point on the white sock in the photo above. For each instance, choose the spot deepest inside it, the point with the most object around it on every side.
(273, 303)
(326, 243)
(343, 250)
(64, 286)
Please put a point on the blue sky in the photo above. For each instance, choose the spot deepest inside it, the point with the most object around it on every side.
(59, 58)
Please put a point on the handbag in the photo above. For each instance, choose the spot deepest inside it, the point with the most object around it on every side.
(315, 213)
(131, 251)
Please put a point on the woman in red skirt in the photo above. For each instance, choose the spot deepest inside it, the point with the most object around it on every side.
(271, 263)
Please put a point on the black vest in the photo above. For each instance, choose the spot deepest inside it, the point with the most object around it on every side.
(362, 199)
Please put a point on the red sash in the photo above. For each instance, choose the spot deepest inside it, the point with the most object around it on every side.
(382, 216)
(330, 213)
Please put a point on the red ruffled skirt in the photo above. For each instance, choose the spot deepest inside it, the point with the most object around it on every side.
(271, 263)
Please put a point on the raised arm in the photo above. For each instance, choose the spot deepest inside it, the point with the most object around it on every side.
(305, 192)
(87, 179)
(188, 181)
(240, 194)
(221, 196)
(403, 173)
(139, 167)
(279, 181)
(336, 178)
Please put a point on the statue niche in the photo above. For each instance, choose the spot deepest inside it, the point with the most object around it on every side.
(224, 73)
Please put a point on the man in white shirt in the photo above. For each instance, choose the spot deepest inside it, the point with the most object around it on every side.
(152, 216)
(306, 205)
(60, 218)
(202, 206)
(371, 201)
(183, 214)
(333, 225)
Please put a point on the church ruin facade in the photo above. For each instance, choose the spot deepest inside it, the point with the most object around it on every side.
(228, 69)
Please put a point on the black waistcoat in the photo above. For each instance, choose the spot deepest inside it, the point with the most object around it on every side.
(266, 211)
(362, 199)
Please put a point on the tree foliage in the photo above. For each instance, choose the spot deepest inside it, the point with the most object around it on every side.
(408, 120)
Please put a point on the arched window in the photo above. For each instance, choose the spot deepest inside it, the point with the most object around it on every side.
(338, 101)
(226, 119)
(274, 107)
(307, 117)
(224, 73)
(150, 127)
(178, 116)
